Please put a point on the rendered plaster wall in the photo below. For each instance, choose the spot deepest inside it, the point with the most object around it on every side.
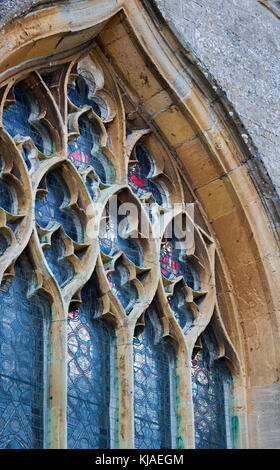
(238, 41)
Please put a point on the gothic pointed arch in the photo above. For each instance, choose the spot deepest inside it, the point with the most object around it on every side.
(114, 117)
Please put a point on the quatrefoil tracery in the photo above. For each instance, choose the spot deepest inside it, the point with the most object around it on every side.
(30, 111)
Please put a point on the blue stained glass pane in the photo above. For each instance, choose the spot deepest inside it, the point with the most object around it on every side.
(25, 155)
(181, 310)
(61, 267)
(88, 378)
(92, 187)
(78, 94)
(6, 198)
(22, 335)
(139, 174)
(209, 397)
(132, 250)
(173, 264)
(145, 160)
(108, 240)
(112, 243)
(15, 118)
(123, 289)
(50, 208)
(157, 192)
(85, 151)
(16, 121)
(152, 404)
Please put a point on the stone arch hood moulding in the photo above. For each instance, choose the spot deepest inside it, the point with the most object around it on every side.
(231, 194)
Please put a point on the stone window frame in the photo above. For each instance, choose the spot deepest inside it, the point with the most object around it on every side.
(53, 110)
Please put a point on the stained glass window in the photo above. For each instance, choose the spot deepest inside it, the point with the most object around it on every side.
(86, 151)
(123, 289)
(17, 121)
(89, 355)
(181, 310)
(140, 173)
(111, 243)
(174, 263)
(211, 381)
(126, 263)
(152, 390)
(52, 208)
(78, 93)
(23, 343)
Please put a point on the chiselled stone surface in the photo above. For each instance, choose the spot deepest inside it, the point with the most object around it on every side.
(238, 42)
(266, 401)
(10, 9)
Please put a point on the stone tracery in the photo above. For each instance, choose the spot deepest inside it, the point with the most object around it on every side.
(132, 270)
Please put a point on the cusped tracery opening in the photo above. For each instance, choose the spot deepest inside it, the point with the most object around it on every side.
(141, 173)
(122, 287)
(90, 352)
(23, 365)
(113, 241)
(180, 307)
(153, 389)
(211, 388)
(81, 91)
(127, 251)
(53, 207)
(86, 151)
(22, 119)
(174, 263)
(63, 222)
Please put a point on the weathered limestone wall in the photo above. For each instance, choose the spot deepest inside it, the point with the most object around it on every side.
(266, 403)
(239, 43)
(10, 9)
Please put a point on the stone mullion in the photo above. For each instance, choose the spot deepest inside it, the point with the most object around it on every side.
(124, 336)
(181, 388)
(57, 386)
(188, 403)
(183, 400)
